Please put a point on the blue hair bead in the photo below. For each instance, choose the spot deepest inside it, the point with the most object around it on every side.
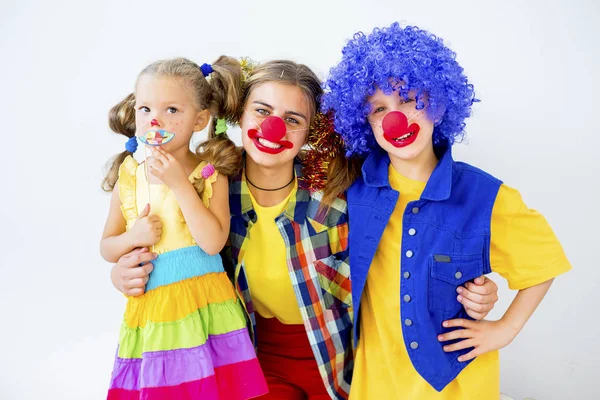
(131, 145)
(206, 69)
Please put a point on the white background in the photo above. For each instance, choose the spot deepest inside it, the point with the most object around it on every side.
(64, 64)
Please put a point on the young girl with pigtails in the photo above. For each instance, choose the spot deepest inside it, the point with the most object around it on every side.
(422, 225)
(186, 336)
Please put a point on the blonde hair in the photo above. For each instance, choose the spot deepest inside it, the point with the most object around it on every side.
(221, 95)
(341, 172)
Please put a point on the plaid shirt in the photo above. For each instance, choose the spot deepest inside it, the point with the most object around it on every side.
(317, 260)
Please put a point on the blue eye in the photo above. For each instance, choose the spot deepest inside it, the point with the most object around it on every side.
(172, 110)
(144, 109)
(262, 111)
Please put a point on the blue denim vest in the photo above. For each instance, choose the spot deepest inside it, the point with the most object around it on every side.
(445, 243)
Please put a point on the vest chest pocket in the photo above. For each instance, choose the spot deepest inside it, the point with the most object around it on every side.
(447, 272)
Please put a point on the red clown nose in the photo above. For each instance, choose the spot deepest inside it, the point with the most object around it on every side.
(397, 131)
(273, 129)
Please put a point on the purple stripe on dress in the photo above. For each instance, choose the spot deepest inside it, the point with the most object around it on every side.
(173, 367)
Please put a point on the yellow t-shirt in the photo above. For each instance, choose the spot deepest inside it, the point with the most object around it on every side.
(524, 250)
(266, 267)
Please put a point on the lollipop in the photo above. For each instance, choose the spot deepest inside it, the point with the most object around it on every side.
(156, 137)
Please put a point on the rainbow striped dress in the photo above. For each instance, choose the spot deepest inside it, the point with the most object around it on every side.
(186, 337)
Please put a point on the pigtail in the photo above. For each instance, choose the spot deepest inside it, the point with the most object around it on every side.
(325, 167)
(226, 84)
(121, 120)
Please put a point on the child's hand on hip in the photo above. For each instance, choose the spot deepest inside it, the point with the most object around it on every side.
(484, 336)
(166, 168)
(147, 229)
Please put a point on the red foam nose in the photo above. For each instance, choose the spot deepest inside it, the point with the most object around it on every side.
(395, 123)
(154, 123)
(273, 129)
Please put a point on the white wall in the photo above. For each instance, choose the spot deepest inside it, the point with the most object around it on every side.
(65, 63)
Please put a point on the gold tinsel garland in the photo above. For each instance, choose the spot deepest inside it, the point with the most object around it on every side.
(324, 145)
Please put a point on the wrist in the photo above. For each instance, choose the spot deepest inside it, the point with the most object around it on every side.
(130, 238)
(181, 187)
(510, 326)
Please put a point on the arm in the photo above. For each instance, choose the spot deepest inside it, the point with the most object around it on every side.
(487, 336)
(116, 241)
(209, 226)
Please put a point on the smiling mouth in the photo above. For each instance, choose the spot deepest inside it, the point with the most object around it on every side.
(268, 143)
(403, 137)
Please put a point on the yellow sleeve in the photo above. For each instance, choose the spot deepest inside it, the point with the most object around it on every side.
(127, 189)
(524, 249)
(207, 193)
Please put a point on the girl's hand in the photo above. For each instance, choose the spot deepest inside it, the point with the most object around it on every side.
(478, 298)
(130, 274)
(484, 336)
(166, 168)
(147, 229)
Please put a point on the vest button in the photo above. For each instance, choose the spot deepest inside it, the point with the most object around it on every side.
(407, 322)
(406, 298)
(409, 253)
(406, 275)
(458, 275)
(412, 231)
(414, 345)
(415, 210)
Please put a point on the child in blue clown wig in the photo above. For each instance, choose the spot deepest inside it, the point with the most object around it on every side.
(398, 59)
(423, 227)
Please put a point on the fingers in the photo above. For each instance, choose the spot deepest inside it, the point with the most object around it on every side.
(476, 315)
(488, 287)
(459, 323)
(155, 221)
(456, 334)
(469, 295)
(155, 170)
(478, 307)
(133, 260)
(470, 355)
(145, 211)
(160, 155)
(463, 344)
(134, 292)
(479, 289)
(163, 153)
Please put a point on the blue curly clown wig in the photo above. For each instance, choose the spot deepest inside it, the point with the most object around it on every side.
(397, 59)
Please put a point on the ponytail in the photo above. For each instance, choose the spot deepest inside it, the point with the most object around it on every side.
(219, 150)
(121, 120)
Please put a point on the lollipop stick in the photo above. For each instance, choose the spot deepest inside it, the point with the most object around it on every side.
(147, 181)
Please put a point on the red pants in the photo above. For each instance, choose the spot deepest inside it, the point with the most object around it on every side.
(288, 362)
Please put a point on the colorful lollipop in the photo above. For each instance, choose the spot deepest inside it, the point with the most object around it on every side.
(156, 137)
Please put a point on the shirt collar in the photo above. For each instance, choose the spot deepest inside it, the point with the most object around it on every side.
(240, 203)
(375, 172)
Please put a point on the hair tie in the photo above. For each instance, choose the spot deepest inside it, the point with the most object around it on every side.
(206, 69)
(207, 171)
(221, 126)
(131, 144)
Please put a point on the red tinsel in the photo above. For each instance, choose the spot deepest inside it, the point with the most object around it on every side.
(324, 144)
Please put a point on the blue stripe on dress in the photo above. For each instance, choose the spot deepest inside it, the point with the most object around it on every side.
(181, 264)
